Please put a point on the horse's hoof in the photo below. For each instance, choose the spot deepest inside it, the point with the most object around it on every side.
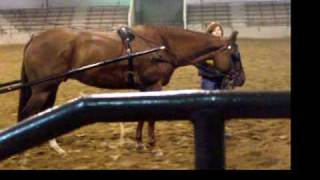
(23, 161)
(61, 152)
(2, 130)
(54, 145)
(151, 144)
(227, 135)
(121, 142)
(157, 152)
(140, 147)
(125, 142)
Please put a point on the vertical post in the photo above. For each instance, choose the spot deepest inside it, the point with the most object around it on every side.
(209, 139)
(131, 13)
(47, 4)
(185, 14)
(201, 15)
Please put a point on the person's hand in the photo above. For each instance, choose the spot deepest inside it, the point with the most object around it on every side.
(227, 83)
(210, 62)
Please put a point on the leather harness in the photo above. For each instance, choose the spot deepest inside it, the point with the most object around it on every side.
(127, 36)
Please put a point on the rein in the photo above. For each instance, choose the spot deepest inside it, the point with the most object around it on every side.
(148, 41)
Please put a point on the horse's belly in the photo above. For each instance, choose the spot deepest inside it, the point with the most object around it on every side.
(100, 79)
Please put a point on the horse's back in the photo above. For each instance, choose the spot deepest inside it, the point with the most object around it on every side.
(46, 52)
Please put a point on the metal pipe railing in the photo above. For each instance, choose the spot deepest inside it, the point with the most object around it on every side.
(207, 109)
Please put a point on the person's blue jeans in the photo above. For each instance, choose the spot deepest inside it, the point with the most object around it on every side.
(211, 84)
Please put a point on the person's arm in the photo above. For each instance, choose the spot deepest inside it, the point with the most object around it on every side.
(207, 69)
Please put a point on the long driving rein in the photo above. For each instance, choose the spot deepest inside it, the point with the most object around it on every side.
(126, 36)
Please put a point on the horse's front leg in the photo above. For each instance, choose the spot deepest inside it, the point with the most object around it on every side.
(151, 134)
(151, 127)
(139, 135)
(151, 123)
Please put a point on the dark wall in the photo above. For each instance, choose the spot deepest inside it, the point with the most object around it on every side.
(159, 12)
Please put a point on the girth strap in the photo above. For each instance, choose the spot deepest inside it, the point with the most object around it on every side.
(127, 36)
(130, 68)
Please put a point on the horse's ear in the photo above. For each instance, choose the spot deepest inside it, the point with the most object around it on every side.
(233, 36)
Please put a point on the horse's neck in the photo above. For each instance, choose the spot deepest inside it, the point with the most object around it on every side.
(188, 45)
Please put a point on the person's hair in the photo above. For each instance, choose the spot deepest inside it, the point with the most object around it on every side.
(212, 25)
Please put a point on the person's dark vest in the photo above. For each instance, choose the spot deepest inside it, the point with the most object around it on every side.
(208, 71)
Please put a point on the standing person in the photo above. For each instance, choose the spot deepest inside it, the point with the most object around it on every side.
(210, 80)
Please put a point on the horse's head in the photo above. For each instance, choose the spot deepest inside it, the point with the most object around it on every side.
(228, 61)
(186, 47)
(223, 55)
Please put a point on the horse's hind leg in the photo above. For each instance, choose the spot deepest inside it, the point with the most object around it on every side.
(24, 94)
(35, 103)
(41, 100)
(54, 145)
(49, 103)
(28, 106)
(122, 134)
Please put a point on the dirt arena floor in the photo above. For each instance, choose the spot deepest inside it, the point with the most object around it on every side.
(253, 144)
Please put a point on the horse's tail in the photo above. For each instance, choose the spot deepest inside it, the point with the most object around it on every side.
(25, 92)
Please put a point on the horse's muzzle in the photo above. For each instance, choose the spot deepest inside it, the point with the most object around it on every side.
(239, 79)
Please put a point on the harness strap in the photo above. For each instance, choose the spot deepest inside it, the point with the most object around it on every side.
(131, 82)
(127, 36)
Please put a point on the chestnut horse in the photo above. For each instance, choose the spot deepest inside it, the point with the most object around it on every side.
(61, 49)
